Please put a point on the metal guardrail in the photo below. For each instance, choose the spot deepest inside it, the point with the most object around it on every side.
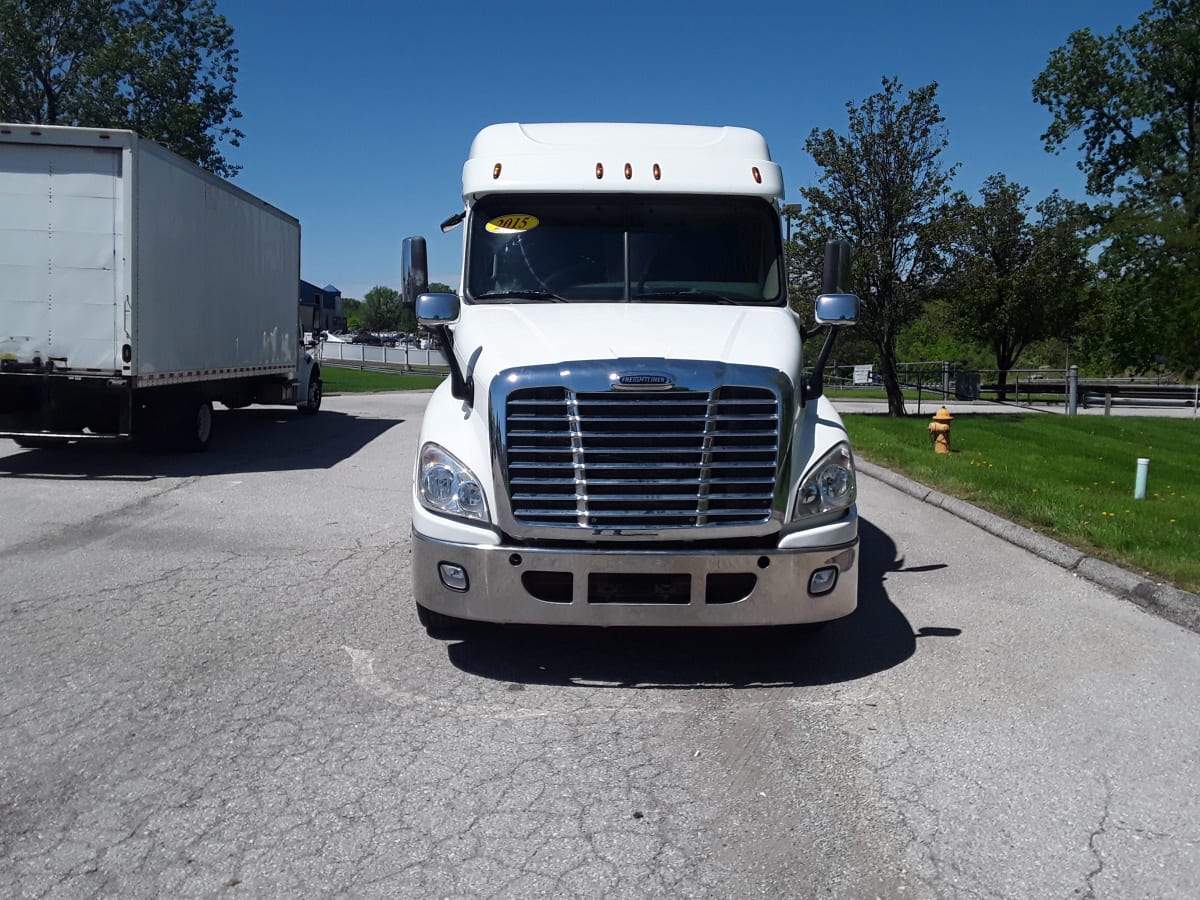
(1033, 387)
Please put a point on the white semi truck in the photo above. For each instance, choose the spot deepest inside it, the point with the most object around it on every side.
(135, 290)
(628, 435)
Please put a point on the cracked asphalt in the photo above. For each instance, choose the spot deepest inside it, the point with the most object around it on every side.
(213, 684)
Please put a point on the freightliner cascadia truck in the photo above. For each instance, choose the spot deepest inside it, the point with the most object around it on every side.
(135, 290)
(628, 435)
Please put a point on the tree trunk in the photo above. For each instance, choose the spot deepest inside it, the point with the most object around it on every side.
(891, 381)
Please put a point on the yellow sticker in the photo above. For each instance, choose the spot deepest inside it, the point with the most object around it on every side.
(512, 223)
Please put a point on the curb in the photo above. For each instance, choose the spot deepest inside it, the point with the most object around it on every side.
(1164, 600)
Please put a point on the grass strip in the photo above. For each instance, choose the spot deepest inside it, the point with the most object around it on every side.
(1069, 478)
(343, 380)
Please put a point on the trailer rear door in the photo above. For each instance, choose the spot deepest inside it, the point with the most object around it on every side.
(62, 247)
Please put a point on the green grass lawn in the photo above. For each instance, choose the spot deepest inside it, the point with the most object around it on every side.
(1070, 478)
(342, 380)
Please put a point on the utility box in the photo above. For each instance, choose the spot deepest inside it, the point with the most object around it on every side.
(966, 386)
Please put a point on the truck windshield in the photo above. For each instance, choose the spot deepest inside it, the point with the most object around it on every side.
(531, 248)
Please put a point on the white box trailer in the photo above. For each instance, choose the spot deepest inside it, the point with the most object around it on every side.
(136, 289)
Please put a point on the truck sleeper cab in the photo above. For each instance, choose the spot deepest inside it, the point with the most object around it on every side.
(628, 436)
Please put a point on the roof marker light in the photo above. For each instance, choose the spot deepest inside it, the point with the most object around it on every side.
(757, 175)
(628, 171)
(495, 171)
(657, 173)
(599, 170)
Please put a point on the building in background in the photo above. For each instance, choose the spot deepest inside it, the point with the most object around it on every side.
(321, 308)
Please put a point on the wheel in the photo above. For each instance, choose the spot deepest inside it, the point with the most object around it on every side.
(193, 425)
(439, 625)
(312, 401)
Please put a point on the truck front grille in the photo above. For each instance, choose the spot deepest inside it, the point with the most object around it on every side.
(641, 460)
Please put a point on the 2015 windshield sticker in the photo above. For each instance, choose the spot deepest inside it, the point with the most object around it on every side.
(512, 223)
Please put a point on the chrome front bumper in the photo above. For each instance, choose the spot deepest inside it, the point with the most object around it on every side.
(630, 587)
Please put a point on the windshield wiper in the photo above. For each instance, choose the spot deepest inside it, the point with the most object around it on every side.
(685, 294)
(536, 296)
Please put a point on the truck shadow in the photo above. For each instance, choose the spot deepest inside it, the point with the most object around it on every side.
(875, 637)
(244, 440)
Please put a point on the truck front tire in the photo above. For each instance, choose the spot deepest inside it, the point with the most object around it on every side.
(312, 399)
(439, 625)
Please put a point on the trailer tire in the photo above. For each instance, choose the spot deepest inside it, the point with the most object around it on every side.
(312, 399)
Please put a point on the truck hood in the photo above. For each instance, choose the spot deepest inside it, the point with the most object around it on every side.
(489, 339)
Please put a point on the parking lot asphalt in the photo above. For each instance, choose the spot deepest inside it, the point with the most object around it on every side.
(214, 684)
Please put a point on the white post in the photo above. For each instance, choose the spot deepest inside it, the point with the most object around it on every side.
(1139, 487)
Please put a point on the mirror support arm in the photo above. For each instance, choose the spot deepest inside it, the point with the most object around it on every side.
(462, 387)
(814, 385)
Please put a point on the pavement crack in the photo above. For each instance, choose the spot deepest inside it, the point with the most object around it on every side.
(1093, 844)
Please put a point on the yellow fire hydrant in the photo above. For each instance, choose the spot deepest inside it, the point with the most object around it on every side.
(939, 430)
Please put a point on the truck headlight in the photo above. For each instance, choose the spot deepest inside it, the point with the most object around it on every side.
(447, 486)
(828, 487)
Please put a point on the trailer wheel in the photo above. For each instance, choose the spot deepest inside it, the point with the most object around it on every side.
(312, 400)
(439, 625)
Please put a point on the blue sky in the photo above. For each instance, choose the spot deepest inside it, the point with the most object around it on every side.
(358, 114)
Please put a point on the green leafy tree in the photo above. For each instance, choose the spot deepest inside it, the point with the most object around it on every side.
(352, 309)
(1015, 281)
(164, 68)
(1132, 99)
(884, 187)
(381, 310)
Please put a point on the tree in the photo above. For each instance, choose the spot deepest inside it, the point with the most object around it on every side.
(1133, 98)
(164, 68)
(381, 309)
(1014, 281)
(882, 186)
(352, 310)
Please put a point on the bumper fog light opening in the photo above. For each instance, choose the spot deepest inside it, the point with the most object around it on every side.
(454, 577)
(822, 581)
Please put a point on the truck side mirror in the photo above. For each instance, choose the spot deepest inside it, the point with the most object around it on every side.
(835, 276)
(835, 306)
(437, 309)
(414, 271)
(836, 309)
